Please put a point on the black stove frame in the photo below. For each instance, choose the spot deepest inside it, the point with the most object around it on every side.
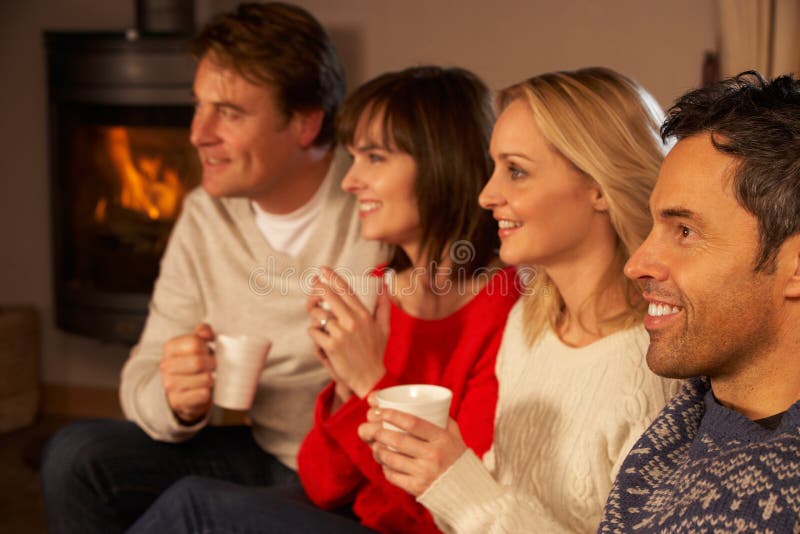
(106, 71)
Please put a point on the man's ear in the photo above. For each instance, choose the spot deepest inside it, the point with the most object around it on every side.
(307, 124)
(792, 246)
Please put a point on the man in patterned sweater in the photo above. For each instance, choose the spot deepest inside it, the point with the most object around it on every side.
(721, 273)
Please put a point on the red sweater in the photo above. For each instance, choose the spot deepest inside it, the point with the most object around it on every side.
(457, 352)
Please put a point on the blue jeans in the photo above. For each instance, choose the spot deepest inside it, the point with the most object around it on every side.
(197, 504)
(101, 475)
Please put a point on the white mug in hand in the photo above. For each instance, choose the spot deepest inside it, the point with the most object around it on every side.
(425, 401)
(366, 288)
(240, 360)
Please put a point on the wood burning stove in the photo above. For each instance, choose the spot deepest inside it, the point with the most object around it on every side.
(120, 164)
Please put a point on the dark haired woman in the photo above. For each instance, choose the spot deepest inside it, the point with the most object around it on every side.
(419, 140)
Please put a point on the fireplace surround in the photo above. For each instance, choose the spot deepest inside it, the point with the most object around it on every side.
(120, 106)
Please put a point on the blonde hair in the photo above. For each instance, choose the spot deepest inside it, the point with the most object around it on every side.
(607, 126)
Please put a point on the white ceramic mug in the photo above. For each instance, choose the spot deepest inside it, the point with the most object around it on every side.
(366, 288)
(240, 360)
(425, 401)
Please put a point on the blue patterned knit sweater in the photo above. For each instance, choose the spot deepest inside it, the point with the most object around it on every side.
(701, 467)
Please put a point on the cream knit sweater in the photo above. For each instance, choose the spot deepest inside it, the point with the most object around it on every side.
(566, 418)
(218, 268)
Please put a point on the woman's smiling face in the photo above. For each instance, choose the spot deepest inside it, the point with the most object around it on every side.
(545, 207)
(382, 178)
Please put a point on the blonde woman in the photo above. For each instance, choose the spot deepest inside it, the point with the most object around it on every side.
(576, 155)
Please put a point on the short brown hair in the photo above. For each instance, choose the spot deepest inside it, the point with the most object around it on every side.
(443, 118)
(282, 46)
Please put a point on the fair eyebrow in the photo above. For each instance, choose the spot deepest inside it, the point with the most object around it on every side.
(507, 155)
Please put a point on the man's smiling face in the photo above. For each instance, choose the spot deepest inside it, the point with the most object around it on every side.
(710, 312)
(245, 143)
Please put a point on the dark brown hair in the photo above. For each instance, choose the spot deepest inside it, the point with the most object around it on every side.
(443, 118)
(282, 46)
(758, 123)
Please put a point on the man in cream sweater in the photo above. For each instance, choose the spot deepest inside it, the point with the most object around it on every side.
(270, 211)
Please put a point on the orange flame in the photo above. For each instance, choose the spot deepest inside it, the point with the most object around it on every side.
(147, 185)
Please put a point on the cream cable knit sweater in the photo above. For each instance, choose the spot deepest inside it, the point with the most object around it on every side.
(566, 418)
(219, 268)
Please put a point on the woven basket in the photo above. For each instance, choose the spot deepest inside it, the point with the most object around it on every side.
(19, 367)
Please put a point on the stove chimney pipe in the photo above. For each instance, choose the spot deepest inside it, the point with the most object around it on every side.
(172, 17)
